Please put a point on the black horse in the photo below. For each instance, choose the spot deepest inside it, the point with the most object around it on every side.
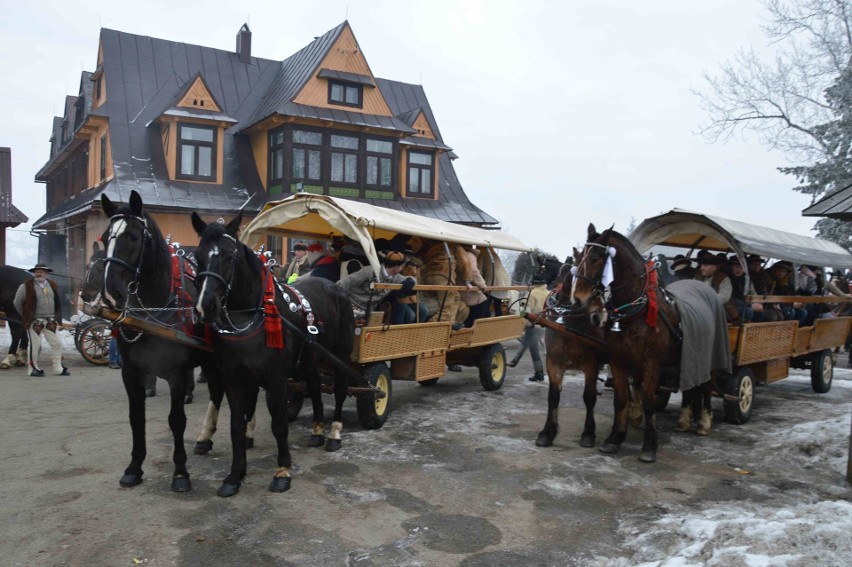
(261, 339)
(10, 280)
(138, 280)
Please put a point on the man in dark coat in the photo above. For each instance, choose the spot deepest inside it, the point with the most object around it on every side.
(37, 300)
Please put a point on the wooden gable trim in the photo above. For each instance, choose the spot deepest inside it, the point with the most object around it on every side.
(345, 56)
(198, 97)
(424, 130)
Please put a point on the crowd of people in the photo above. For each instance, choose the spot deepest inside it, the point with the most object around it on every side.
(726, 275)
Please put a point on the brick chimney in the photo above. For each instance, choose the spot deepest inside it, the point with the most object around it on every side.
(244, 44)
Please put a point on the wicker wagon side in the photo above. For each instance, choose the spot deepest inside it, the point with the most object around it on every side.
(397, 341)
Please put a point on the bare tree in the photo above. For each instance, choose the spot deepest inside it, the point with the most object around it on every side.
(783, 99)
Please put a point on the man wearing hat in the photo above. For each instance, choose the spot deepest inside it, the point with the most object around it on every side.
(531, 340)
(299, 265)
(682, 268)
(709, 273)
(37, 300)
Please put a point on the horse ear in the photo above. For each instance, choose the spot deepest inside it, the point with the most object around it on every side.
(234, 225)
(108, 206)
(198, 224)
(592, 232)
(135, 203)
(576, 253)
(95, 247)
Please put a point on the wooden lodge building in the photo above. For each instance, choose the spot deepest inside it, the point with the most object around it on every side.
(198, 129)
(10, 216)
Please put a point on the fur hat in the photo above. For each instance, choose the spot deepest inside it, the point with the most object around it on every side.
(391, 258)
(315, 247)
(39, 266)
(299, 246)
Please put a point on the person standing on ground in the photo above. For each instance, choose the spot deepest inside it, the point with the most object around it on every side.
(37, 300)
(532, 333)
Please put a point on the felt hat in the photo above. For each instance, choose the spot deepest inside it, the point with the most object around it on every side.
(538, 279)
(784, 264)
(754, 258)
(681, 264)
(734, 260)
(708, 260)
(39, 266)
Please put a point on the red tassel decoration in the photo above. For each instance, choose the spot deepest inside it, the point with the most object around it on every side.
(651, 316)
(271, 317)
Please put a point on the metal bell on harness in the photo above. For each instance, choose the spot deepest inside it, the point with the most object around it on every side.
(616, 328)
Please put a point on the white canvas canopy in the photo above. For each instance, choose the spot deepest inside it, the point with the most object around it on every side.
(321, 217)
(684, 229)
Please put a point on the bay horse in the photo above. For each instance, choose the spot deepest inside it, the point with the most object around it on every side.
(579, 346)
(11, 279)
(138, 279)
(262, 335)
(618, 288)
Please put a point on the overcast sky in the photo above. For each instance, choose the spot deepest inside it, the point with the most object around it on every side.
(561, 113)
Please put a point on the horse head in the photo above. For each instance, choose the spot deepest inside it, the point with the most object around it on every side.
(589, 275)
(217, 256)
(131, 240)
(93, 283)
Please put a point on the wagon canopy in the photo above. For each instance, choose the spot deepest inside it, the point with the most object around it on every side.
(320, 217)
(684, 229)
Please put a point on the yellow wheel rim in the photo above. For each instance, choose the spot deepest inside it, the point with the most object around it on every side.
(746, 394)
(498, 366)
(827, 366)
(382, 403)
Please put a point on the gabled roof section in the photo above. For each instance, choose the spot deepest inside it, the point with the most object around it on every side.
(195, 100)
(838, 205)
(9, 213)
(293, 73)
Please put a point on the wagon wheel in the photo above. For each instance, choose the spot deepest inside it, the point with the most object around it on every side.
(739, 411)
(822, 371)
(372, 410)
(492, 367)
(78, 333)
(94, 342)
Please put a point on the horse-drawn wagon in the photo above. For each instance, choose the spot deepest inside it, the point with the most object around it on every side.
(761, 352)
(418, 351)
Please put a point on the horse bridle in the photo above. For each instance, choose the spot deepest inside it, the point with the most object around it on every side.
(133, 286)
(598, 288)
(214, 253)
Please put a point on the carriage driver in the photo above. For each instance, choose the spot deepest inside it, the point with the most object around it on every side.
(37, 300)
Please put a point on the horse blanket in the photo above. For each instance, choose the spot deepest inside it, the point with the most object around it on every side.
(705, 332)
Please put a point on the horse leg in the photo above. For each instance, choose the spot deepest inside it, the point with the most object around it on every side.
(237, 394)
(177, 423)
(619, 423)
(276, 402)
(684, 422)
(650, 377)
(555, 375)
(334, 442)
(705, 419)
(590, 398)
(204, 442)
(634, 409)
(312, 381)
(189, 386)
(133, 385)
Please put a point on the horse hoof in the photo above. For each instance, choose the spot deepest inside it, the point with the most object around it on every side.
(544, 440)
(648, 457)
(249, 442)
(587, 441)
(227, 490)
(702, 432)
(203, 447)
(608, 448)
(181, 484)
(187, 399)
(280, 484)
(129, 480)
(332, 445)
(316, 440)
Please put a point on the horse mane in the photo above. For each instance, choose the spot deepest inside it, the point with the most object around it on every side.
(624, 241)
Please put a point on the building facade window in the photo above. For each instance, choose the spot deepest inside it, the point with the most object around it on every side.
(307, 156)
(420, 174)
(276, 161)
(196, 154)
(347, 94)
(344, 159)
(103, 157)
(379, 154)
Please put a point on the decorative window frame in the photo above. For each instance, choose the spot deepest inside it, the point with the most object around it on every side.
(347, 87)
(419, 167)
(214, 152)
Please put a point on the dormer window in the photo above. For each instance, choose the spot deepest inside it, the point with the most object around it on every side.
(347, 94)
(196, 155)
(420, 174)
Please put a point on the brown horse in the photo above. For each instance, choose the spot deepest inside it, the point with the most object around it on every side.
(618, 289)
(579, 346)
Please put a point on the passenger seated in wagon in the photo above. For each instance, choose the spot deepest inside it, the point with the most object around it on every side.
(709, 273)
(782, 282)
(682, 268)
(364, 299)
(748, 312)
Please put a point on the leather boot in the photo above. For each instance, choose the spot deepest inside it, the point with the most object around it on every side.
(512, 363)
(685, 421)
(537, 377)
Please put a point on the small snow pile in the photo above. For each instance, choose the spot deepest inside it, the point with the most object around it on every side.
(818, 443)
(806, 534)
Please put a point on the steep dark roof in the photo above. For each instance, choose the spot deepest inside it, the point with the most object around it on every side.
(9, 213)
(838, 205)
(145, 77)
